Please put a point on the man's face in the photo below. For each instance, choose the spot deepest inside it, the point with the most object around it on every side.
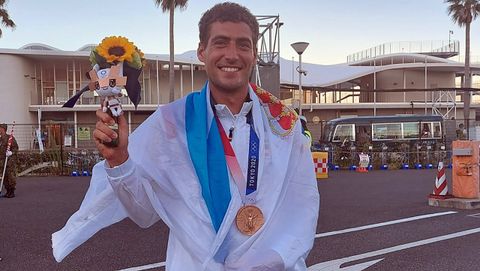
(2, 131)
(229, 56)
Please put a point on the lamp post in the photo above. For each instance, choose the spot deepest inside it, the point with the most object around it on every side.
(300, 47)
(450, 33)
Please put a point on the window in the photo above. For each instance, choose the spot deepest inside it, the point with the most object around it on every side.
(387, 131)
(437, 130)
(343, 132)
(410, 130)
(426, 130)
(327, 132)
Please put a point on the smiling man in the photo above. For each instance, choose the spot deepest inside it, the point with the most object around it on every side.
(226, 168)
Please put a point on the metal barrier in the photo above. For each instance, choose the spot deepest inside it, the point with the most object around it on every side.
(341, 159)
(57, 162)
(70, 148)
(78, 162)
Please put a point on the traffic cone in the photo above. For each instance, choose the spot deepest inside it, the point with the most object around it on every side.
(441, 188)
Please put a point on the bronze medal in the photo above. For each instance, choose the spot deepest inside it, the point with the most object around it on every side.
(249, 219)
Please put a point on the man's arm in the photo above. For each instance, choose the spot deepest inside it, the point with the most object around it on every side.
(126, 178)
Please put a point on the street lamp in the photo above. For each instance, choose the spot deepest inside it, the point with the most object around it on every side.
(450, 32)
(300, 47)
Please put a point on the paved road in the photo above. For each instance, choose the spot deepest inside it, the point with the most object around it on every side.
(351, 200)
(446, 241)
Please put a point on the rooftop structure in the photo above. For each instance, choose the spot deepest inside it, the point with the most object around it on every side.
(437, 48)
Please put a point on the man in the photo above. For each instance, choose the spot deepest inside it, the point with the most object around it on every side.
(461, 132)
(227, 169)
(306, 132)
(9, 180)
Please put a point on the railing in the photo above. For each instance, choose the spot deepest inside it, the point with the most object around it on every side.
(55, 135)
(81, 161)
(56, 162)
(64, 147)
(346, 159)
(434, 47)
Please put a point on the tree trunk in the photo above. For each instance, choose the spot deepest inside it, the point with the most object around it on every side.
(467, 83)
(171, 66)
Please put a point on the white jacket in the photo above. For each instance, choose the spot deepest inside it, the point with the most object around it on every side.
(159, 182)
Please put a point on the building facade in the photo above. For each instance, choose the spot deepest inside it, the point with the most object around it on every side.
(37, 79)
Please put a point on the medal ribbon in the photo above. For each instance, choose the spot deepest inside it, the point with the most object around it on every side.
(249, 185)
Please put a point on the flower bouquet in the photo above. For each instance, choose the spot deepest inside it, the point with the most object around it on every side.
(116, 64)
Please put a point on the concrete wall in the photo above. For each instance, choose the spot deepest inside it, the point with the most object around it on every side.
(16, 83)
(15, 86)
(397, 79)
(198, 82)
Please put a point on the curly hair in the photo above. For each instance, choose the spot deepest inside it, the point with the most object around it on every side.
(227, 12)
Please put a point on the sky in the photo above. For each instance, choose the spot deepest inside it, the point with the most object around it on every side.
(334, 29)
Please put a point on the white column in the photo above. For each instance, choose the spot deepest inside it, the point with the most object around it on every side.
(191, 74)
(75, 127)
(300, 83)
(404, 86)
(129, 122)
(41, 83)
(426, 84)
(181, 80)
(54, 85)
(374, 87)
(158, 85)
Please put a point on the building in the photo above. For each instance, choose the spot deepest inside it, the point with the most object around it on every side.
(38, 79)
(387, 79)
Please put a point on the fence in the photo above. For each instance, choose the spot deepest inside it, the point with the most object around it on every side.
(81, 161)
(56, 162)
(55, 135)
(70, 148)
(421, 158)
(64, 148)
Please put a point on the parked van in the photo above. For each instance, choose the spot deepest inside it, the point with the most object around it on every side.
(395, 133)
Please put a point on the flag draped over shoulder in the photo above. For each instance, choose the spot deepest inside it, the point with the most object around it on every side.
(206, 151)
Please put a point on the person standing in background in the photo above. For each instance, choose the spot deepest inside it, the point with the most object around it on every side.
(461, 132)
(9, 180)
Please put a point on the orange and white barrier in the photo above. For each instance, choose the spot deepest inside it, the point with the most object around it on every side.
(320, 160)
(441, 188)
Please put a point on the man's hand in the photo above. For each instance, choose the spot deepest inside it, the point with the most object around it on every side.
(117, 155)
(9, 153)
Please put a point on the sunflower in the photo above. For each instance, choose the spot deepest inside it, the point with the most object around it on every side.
(116, 49)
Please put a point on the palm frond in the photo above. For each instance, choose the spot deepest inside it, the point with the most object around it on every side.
(463, 12)
(166, 4)
(5, 19)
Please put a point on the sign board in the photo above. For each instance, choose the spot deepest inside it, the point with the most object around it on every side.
(39, 140)
(83, 133)
(68, 141)
(364, 160)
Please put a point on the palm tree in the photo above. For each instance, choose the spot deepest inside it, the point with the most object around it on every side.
(463, 12)
(5, 18)
(171, 5)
